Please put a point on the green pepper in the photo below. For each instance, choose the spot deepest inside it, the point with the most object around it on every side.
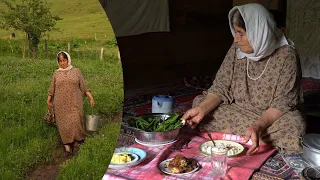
(160, 128)
(177, 125)
(172, 119)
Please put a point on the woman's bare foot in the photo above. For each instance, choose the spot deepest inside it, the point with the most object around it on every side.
(67, 151)
(67, 147)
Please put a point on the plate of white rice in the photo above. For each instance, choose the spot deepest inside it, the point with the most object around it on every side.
(233, 148)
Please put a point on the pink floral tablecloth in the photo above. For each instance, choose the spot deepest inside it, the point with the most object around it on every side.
(240, 167)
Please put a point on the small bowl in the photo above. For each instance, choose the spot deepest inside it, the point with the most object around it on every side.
(134, 158)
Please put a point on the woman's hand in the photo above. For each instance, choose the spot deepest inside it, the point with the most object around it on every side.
(91, 102)
(193, 116)
(252, 133)
(49, 104)
(197, 113)
(89, 95)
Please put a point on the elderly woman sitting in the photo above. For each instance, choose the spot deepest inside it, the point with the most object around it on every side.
(256, 91)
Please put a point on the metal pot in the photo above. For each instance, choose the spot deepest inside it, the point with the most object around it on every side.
(156, 137)
(311, 148)
(92, 122)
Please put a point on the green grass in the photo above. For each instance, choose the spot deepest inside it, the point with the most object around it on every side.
(92, 159)
(25, 139)
(81, 19)
(79, 48)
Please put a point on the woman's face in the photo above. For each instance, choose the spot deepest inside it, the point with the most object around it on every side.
(63, 62)
(241, 40)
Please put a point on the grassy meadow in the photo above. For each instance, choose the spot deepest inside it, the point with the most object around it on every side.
(80, 19)
(25, 140)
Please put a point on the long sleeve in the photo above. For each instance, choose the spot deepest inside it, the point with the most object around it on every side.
(52, 86)
(82, 83)
(222, 82)
(287, 93)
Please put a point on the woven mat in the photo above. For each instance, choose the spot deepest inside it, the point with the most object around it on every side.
(275, 167)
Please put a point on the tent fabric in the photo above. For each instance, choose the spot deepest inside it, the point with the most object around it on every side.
(136, 17)
(303, 23)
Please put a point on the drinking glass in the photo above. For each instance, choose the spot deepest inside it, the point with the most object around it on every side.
(219, 162)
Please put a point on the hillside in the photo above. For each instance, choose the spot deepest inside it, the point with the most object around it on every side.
(81, 19)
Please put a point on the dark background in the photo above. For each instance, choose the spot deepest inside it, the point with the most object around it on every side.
(198, 40)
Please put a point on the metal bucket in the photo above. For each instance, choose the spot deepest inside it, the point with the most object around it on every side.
(92, 122)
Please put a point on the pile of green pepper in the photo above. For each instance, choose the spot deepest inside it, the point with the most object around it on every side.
(155, 124)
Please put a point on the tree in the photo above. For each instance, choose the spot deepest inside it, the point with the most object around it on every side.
(31, 16)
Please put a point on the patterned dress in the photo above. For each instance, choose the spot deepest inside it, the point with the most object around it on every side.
(244, 99)
(67, 90)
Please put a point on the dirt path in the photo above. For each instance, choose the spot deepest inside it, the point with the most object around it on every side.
(49, 171)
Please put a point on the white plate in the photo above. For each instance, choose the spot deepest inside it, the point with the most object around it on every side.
(154, 144)
(225, 142)
(134, 158)
(139, 152)
(166, 170)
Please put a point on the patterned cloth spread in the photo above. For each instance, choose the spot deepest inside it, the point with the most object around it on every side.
(240, 167)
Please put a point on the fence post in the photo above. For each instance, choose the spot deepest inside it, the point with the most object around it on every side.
(10, 46)
(85, 46)
(46, 47)
(101, 54)
(119, 57)
(69, 47)
(23, 48)
(95, 36)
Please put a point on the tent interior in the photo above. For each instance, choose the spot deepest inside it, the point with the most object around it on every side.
(198, 40)
(196, 37)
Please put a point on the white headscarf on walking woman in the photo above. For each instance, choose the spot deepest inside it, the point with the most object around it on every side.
(263, 35)
(69, 62)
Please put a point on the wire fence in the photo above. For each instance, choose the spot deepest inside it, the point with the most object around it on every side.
(92, 48)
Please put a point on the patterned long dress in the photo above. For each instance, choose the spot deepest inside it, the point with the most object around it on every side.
(67, 90)
(244, 99)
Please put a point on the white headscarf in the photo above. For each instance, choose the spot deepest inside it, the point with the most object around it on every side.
(263, 35)
(69, 62)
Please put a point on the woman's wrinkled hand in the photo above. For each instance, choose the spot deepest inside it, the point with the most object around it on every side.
(193, 116)
(252, 133)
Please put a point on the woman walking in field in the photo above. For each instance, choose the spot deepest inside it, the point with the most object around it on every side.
(65, 96)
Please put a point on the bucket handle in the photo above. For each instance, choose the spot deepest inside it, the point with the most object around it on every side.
(159, 103)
